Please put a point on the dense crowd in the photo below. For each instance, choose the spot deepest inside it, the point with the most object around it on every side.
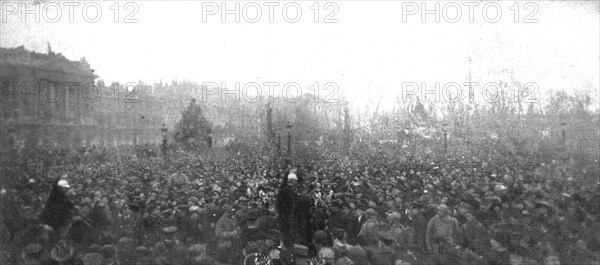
(366, 207)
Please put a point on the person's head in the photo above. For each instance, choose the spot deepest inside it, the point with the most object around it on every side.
(395, 217)
(525, 217)
(443, 210)
(398, 200)
(415, 210)
(64, 186)
(371, 213)
(469, 216)
(339, 234)
(320, 238)
(292, 179)
(345, 208)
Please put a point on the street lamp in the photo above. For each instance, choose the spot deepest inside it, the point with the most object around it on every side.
(135, 138)
(288, 127)
(564, 132)
(11, 132)
(278, 146)
(163, 131)
(445, 130)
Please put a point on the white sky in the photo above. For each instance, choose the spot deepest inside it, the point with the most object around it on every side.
(369, 53)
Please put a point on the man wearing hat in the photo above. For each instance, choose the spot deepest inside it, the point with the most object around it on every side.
(441, 229)
(227, 231)
(286, 201)
(369, 232)
(178, 178)
(59, 210)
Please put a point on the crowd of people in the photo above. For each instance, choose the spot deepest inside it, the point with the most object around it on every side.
(371, 206)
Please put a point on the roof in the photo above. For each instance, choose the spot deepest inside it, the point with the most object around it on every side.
(21, 57)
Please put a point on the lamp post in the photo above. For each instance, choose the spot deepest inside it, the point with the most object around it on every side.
(11, 139)
(163, 131)
(278, 146)
(135, 138)
(270, 132)
(209, 138)
(445, 130)
(288, 127)
(564, 133)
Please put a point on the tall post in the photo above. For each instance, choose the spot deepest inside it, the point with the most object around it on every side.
(564, 134)
(445, 142)
(445, 130)
(163, 131)
(270, 133)
(289, 139)
(278, 147)
(11, 138)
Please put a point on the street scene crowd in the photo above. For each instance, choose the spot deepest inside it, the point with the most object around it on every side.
(375, 205)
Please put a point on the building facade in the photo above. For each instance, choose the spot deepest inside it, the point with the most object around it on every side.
(50, 101)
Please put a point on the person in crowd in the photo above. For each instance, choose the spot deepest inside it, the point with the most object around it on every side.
(442, 229)
(302, 214)
(369, 233)
(178, 178)
(228, 232)
(286, 201)
(59, 210)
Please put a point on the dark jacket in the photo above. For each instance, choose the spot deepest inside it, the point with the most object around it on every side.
(302, 217)
(58, 209)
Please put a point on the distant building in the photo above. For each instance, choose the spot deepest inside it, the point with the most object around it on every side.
(42, 98)
(49, 100)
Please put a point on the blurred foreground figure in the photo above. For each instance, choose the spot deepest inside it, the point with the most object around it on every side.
(59, 210)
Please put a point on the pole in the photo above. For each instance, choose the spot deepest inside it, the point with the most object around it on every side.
(564, 134)
(270, 132)
(278, 143)
(289, 143)
(445, 142)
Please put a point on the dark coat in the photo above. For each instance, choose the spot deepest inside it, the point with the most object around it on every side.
(302, 217)
(354, 227)
(286, 200)
(58, 210)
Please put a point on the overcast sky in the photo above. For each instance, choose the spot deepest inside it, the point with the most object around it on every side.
(369, 52)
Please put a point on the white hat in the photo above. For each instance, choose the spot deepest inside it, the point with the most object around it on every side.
(292, 176)
(63, 183)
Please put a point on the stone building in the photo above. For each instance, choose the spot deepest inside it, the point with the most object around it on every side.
(48, 100)
(45, 99)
